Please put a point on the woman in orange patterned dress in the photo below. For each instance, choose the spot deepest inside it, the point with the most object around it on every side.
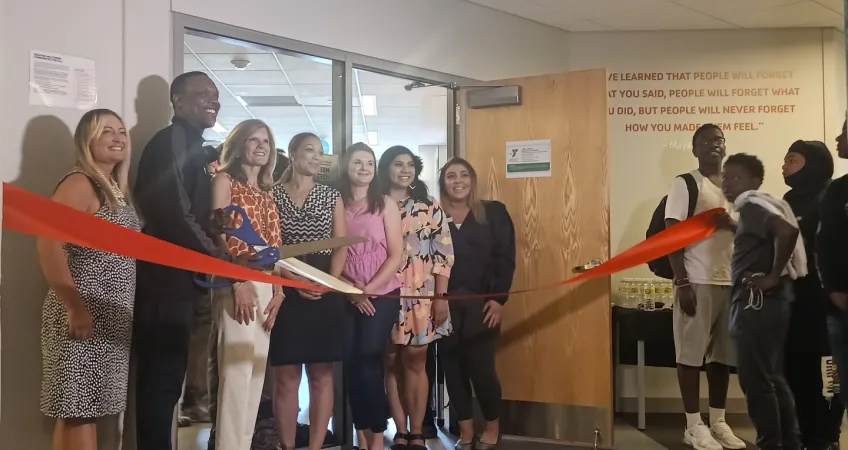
(428, 258)
(245, 313)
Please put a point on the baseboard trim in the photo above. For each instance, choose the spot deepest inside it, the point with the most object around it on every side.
(675, 405)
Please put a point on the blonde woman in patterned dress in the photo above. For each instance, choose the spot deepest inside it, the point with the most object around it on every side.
(245, 312)
(87, 319)
(428, 258)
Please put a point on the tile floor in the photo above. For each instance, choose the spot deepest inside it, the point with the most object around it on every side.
(663, 432)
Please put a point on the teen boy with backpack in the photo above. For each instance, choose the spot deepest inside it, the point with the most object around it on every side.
(701, 275)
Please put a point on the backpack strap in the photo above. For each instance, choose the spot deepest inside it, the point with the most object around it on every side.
(692, 188)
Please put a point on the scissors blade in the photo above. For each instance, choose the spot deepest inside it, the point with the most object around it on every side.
(305, 248)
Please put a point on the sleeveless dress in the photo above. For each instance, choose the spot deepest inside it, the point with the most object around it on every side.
(365, 258)
(428, 251)
(308, 331)
(88, 378)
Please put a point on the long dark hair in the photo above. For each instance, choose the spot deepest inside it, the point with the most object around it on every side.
(418, 189)
(474, 202)
(375, 199)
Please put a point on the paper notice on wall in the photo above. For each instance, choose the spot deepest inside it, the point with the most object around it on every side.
(61, 81)
(528, 159)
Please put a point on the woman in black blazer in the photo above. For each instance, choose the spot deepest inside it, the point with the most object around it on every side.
(484, 246)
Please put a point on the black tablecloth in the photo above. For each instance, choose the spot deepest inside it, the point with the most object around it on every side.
(653, 327)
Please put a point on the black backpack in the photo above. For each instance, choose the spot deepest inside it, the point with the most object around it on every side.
(662, 267)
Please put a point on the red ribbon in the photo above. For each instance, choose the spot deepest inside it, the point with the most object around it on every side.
(28, 213)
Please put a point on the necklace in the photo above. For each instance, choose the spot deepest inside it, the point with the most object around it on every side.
(113, 185)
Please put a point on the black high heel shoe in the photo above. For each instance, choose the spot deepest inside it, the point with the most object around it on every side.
(398, 446)
(484, 446)
(416, 437)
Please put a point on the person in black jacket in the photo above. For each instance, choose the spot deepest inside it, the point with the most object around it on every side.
(173, 194)
(831, 250)
(807, 169)
(484, 248)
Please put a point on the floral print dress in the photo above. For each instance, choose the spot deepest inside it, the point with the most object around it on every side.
(428, 251)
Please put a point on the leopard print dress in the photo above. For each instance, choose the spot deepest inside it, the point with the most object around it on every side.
(88, 378)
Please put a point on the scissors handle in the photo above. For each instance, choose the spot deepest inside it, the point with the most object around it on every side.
(266, 257)
(245, 233)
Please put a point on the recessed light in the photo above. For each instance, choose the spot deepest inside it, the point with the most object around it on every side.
(240, 63)
(369, 105)
(373, 138)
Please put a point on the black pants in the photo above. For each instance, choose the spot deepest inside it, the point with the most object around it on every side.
(760, 337)
(468, 356)
(161, 337)
(819, 418)
(364, 362)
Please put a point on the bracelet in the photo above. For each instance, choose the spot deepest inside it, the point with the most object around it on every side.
(681, 282)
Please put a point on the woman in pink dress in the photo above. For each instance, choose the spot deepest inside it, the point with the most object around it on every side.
(371, 266)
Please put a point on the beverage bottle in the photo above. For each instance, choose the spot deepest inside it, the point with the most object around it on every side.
(650, 295)
(668, 291)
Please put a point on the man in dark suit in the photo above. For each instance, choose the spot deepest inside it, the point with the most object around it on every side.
(173, 194)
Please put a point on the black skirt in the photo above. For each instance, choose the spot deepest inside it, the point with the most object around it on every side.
(308, 331)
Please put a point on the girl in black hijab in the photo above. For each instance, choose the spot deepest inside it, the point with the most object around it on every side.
(808, 169)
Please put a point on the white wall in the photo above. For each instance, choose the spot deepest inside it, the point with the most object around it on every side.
(130, 42)
(642, 164)
(451, 36)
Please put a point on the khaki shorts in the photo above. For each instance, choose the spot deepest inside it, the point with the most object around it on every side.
(706, 336)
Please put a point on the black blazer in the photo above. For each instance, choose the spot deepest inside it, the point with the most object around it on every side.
(485, 253)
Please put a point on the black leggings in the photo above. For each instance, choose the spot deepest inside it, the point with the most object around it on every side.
(368, 337)
(468, 356)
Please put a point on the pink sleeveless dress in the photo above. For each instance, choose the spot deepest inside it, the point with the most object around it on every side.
(364, 259)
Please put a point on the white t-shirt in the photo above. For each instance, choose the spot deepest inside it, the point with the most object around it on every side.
(707, 262)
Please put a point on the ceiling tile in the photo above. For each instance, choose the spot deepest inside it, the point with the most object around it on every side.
(808, 13)
(575, 25)
(222, 61)
(667, 17)
(583, 9)
(731, 8)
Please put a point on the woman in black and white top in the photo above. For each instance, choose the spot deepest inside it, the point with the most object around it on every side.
(308, 328)
(484, 246)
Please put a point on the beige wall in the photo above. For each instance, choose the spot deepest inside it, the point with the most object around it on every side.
(643, 163)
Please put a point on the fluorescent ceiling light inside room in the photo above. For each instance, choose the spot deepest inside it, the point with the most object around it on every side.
(373, 138)
(218, 128)
(369, 105)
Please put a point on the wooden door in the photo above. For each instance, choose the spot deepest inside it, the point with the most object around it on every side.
(555, 360)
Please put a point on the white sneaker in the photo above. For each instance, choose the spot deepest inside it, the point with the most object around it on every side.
(725, 437)
(699, 438)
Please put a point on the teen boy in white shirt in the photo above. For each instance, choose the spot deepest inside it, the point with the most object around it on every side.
(702, 298)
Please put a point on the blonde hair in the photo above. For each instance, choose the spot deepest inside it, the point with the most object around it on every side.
(474, 202)
(233, 151)
(89, 130)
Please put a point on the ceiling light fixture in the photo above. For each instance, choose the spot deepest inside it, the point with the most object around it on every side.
(218, 128)
(240, 63)
(373, 138)
(369, 105)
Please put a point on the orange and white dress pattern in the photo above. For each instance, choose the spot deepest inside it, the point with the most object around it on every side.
(262, 212)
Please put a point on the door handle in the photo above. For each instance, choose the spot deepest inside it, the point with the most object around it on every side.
(588, 266)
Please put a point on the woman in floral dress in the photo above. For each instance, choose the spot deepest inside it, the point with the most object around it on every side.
(428, 258)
